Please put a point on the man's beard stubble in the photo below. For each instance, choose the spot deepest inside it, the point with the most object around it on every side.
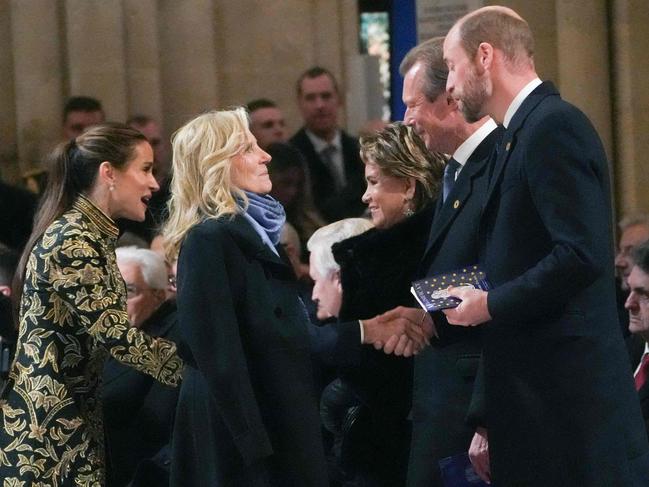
(474, 97)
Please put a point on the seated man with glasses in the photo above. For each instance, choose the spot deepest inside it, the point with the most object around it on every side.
(138, 411)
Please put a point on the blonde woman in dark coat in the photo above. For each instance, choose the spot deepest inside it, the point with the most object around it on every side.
(247, 414)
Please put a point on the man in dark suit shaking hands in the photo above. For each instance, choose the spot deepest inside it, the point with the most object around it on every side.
(560, 404)
(445, 372)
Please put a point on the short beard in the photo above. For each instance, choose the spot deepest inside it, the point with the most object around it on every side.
(474, 97)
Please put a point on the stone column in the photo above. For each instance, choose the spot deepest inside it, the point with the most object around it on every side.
(96, 53)
(582, 33)
(9, 168)
(37, 74)
(143, 58)
(630, 67)
(189, 59)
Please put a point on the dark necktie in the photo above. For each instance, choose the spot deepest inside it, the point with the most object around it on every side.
(327, 156)
(643, 372)
(449, 177)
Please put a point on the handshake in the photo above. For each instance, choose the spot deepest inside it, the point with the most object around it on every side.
(400, 331)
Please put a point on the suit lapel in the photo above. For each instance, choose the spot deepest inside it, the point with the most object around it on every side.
(446, 212)
(508, 143)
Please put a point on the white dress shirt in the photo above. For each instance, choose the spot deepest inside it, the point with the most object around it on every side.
(462, 153)
(519, 99)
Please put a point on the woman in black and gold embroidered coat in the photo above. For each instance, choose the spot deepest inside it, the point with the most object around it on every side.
(73, 313)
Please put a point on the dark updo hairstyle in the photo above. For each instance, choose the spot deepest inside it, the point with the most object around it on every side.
(72, 170)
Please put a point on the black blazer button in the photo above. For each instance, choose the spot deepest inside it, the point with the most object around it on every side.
(278, 311)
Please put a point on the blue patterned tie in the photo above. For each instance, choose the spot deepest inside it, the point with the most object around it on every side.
(449, 177)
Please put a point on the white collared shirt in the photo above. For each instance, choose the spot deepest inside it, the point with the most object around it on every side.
(319, 144)
(519, 99)
(468, 147)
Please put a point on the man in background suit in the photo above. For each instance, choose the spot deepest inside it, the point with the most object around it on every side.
(335, 166)
(267, 122)
(79, 113)
(138, 410)
(444, 372)
(633, 230)
(560, 405)
(638, 306)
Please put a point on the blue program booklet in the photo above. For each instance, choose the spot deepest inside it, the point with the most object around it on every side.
(457, 471)
(432, 293)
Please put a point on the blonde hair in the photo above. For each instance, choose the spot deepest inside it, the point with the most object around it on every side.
(201, 186)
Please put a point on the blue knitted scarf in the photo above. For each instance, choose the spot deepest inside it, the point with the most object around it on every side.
(268, 215)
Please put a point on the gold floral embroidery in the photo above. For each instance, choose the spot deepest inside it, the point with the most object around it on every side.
(73, 314)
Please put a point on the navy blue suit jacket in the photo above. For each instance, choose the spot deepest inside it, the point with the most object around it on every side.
(560, 403)
(444, 373)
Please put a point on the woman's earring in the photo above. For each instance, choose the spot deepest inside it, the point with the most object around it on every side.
(407, 211)
(112, 186)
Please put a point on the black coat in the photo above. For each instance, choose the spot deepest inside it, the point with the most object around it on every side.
(138, 410)
(17, 215)
(560, 402)
(334, 205)
(445, 372)
(635, 347)
(247, 414)
(377, 269)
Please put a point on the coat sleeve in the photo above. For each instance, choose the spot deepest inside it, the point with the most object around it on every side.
(210, 328)
(336, 344)
(565, 170)
(78, 272)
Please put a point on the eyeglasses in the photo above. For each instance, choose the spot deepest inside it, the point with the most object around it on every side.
(132, 291)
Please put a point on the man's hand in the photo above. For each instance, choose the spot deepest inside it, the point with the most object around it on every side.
(402, 331)
(479, 454)
(472, 310)
(416, 316)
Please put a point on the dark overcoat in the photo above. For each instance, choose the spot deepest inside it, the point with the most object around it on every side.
(247, 414)
(445, 372)
(560, 401)
(635, 347)
(377, 269)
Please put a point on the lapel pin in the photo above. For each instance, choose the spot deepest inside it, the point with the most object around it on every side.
(509, 144)
(456, 204)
